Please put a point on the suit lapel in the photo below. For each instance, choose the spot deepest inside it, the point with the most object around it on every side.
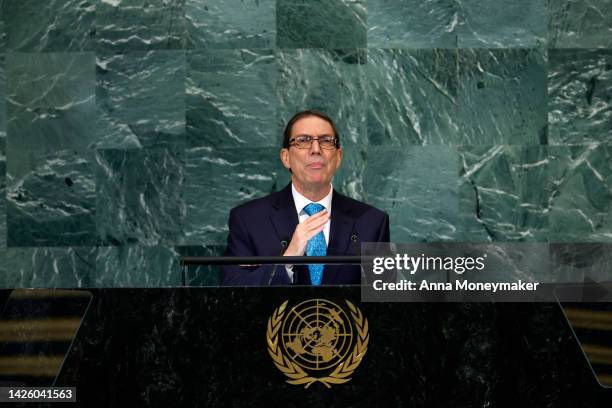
(285, 219)
(341, 229)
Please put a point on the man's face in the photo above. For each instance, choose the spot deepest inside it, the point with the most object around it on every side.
(311, 168)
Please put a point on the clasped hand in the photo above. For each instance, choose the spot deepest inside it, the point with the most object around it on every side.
(305, 231)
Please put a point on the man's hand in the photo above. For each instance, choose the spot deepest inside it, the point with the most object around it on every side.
(304, 231)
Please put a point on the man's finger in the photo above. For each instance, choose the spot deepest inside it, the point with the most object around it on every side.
(315, 224)
(311, 233)
(319, 215)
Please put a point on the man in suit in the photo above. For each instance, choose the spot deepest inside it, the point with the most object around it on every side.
(307, 217)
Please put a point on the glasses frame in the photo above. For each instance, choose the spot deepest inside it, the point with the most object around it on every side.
(292, 142)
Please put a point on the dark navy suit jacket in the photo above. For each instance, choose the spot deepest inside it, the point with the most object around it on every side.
(259, 227)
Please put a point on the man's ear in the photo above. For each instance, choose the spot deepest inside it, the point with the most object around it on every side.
(284, 156)
(339, 153)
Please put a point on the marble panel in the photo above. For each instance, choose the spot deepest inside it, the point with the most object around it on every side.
(45, 267)
(50, 107)
(216, 180)
(231, 24)
(581, 198)
(54, 203)
(231, 98)
(50, 25)
(413, 23)
(140, 98)
(417, 187)
(502, 96)
(140, 24)
(140, 196)
(495, 24)
(321, 23)
(580, 96)
(579, 23)
(137, 266)
(412, 97)
(504, 193)
(2, 31)
(2, 107)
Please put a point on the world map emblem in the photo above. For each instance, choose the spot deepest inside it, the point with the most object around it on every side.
(317, 341)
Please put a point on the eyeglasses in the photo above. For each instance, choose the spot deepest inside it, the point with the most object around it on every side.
(305, 141)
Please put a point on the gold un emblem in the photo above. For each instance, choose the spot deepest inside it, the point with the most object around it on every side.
(317, 341)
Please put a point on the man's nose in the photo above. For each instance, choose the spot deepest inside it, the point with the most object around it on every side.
(314, 147)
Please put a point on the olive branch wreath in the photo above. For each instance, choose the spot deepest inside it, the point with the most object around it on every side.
(297, 375)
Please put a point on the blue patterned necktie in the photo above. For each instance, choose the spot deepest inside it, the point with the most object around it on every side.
(316, 246)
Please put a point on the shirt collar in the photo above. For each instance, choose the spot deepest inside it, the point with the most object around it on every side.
(301, 201)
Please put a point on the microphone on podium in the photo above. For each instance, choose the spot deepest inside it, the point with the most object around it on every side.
(284, 243)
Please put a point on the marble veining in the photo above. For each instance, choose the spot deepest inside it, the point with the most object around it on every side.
(49, 26)
(580, 96)
(231, 98)
(579, 23)
(412, 97)
(422, 201)
(139, 196)
(140, 24)
(54, 204)
(207, 198)
(140, 98)
(129, 128)
(231, 24)
(491, 24)
(321, 23)
(498, 201)
(502, 96)
(413, 23)
(44, 267)
(581, 196)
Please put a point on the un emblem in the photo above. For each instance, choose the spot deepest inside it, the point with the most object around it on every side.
(317, 341)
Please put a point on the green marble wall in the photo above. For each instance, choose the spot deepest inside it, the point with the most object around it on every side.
(129, 128)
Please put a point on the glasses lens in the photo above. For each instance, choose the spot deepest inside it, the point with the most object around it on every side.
(326, 142)
(303, 142)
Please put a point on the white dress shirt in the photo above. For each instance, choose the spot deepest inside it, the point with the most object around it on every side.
(301, 202)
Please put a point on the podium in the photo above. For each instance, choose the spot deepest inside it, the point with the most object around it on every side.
(203, 347)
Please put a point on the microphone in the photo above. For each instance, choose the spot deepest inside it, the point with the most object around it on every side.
(284, 243)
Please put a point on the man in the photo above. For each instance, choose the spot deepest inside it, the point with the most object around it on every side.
(308, 217)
